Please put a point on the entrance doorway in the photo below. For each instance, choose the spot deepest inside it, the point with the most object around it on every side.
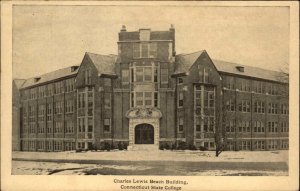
(144, 134)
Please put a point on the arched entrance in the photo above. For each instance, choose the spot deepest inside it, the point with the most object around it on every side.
(144, 134)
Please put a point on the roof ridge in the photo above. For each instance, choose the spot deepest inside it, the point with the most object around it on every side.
(97, 54)
(245, 65)
(184, 54)
(52, 71)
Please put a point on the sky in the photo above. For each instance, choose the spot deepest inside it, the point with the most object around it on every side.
(47, 38)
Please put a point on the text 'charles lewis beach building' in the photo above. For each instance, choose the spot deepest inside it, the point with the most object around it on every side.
(147, 96)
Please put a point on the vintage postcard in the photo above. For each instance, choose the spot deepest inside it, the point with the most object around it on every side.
(149, 95)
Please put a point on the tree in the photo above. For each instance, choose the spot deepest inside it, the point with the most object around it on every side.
(220, 135)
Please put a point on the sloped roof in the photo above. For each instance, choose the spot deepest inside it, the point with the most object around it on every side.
(185, 61)
(64, 72)
(249, 71)
(19, 82)
(105, 64)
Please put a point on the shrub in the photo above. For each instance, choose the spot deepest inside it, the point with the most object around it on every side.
(121, 146)
(107, 146)
(173, 147)
(192, 147)
(167, 146)
(78, 150)
(203, 148)
(181, 145)
(161, 146)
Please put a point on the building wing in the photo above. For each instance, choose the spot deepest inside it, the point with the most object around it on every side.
(105, 64)
(54, 75)
(249, 71)
(185, 61)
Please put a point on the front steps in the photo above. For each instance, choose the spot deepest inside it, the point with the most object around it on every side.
(143, 147)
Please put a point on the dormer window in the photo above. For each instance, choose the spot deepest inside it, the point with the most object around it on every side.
(37, 79)
(240, 68)
(73, 68)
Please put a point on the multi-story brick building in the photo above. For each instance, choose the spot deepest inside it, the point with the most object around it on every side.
(148, 95)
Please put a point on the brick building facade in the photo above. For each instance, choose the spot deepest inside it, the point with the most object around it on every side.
(147, 96)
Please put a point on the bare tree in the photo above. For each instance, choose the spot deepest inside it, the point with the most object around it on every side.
(220, 135)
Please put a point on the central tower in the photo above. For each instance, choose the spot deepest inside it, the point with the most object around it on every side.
(146, 61)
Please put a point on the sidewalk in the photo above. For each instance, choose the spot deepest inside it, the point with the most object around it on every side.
(182, 156)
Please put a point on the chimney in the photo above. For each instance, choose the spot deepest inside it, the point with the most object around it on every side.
(240, 68)
(172, 31)
(123, 28)
(73, 68)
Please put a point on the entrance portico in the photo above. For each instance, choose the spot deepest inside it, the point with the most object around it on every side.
(143, 127)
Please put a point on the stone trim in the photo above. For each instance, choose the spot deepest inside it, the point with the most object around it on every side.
(259, 138)
(167, 139)
(121, 90)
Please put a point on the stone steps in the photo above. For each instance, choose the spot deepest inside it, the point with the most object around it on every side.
(143, 147)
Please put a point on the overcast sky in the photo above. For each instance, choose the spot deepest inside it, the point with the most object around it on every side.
(46, 38)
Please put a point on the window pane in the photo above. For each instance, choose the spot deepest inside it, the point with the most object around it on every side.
(136, 50)
(144, 50)
(125, 76)
(148, 74)
(153, 50)
(164, 75)
(139, 98)
(139, 74)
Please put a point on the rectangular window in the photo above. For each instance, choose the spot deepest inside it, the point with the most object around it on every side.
(81, 124)
(284, 109)
(180, 99)
(230, 105)
(153, 50)
(139, 98)
(245, 145)
(164, 76)
(244, 106)
(139, 74)
(107, 100)
(106, 125)
(148, 74)
(132, 99)
(145, 50)
(229, 83)
(230, 126)
(125, 76)
(205, 126)
(148, 98)
(180, 124)
(136, 50)
(155, 99)
(205, 75)
(49, 90)
(49, 111)
(90, 125)
(259, 87)
(155, 75)
(70, 85)
(200, 73)
(211, 99)
(58, 127)
(69, 127)
(211, 124)
(88, 76)
(69, 106)
(198, 124)
(272, 144)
